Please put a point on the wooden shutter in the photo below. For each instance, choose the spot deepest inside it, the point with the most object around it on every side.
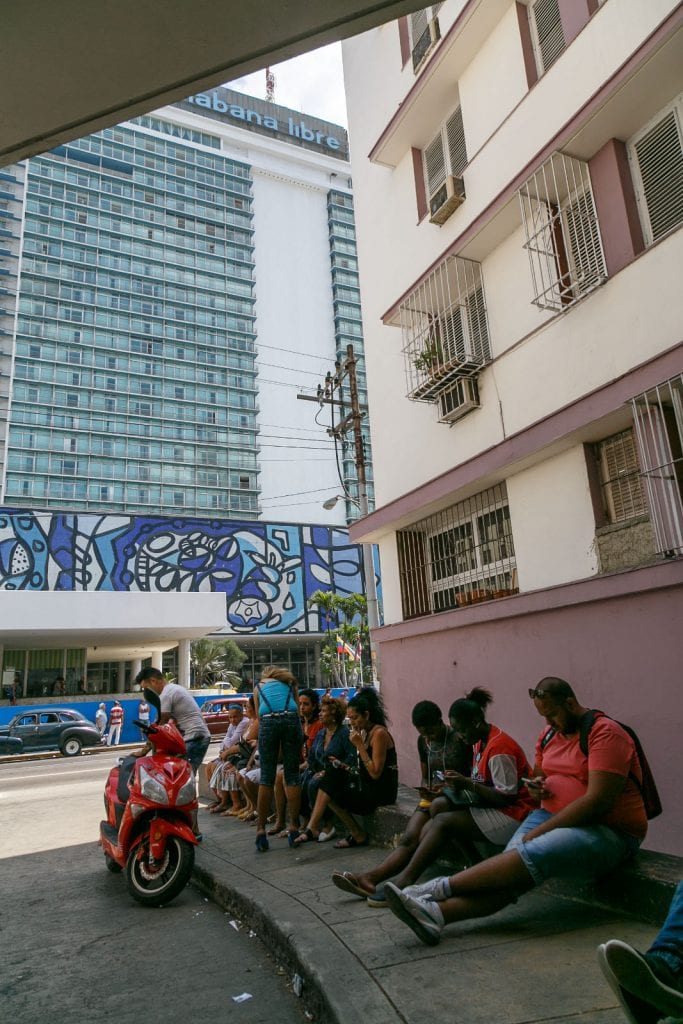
(660, 161)
(620, 471)
(455, 140)
(585, 247)
(547, 25)
(435, 165)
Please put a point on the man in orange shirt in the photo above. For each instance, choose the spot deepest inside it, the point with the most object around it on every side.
(591, 818)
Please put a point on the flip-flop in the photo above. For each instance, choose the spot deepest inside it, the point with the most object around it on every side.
(345, 881)
(216, 809)
(305, 837)
(276, 830)
(348, 842)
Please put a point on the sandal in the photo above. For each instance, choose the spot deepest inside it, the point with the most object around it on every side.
(276, 830)
(217, 809)
(304, 837)
(348, 842)
(262, 845)
(292, 836)
(347, 882)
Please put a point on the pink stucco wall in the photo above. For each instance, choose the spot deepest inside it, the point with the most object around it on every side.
(622, 654)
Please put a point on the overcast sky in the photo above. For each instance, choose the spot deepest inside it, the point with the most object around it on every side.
(312, 83)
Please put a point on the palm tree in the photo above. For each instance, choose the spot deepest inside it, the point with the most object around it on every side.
(208, 659)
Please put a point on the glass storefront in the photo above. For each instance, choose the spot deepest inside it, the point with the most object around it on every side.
(44, 673)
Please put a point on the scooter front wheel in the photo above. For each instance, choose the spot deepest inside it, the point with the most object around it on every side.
(157, 884)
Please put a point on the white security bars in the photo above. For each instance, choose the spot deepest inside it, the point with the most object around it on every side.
(445, 329)
(658, 424)
(562, 233)
(459, 556)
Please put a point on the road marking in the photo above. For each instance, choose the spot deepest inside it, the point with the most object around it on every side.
(51, 775)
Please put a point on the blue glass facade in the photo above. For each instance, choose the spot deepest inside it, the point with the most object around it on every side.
(134, 379)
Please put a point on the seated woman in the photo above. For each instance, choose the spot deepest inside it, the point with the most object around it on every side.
(220, 772)
(332, 742)
(373, 783)
(485, 807)
(309, 710)
(279, 731)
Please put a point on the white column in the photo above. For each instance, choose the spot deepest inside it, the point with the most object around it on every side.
(184, 663)
(135, 666)
(157, 659)
(121, 679)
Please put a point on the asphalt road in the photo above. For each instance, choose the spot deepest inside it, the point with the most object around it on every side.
(76, 947)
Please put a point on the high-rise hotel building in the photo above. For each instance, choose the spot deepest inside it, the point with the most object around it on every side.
(167, 288)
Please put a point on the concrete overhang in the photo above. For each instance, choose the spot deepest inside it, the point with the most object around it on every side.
(105, 622)
(72, 67)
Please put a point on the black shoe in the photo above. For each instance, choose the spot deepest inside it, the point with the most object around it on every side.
(644, 997)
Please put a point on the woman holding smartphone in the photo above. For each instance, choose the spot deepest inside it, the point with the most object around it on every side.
(483, 807)
(372, 783)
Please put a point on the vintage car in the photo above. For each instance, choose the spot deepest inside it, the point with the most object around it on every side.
(50, 729)
(215, 712)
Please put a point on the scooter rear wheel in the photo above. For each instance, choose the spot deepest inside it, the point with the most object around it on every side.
(156, 885)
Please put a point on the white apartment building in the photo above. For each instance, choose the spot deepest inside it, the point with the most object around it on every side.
(518, 181)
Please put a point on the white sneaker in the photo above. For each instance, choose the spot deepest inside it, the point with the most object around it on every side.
(325, 837)
(434, 889)
(643, 996)
(423, 916)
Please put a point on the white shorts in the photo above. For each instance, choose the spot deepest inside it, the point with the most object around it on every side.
(498, 828)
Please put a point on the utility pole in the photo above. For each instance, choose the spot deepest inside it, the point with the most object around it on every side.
(368, 560)
(353, 420)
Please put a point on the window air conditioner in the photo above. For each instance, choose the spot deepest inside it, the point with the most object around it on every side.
(446, 199)
(460, 399)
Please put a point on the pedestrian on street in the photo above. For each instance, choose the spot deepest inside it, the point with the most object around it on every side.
(101, 719)
(116, 716)
(143, 716)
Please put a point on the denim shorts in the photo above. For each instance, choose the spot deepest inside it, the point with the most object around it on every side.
(196, 748)
(581, 852)
(280, 733)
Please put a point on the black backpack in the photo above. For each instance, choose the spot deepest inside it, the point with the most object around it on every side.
(648, 787)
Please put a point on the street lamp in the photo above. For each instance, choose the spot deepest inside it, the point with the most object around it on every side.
(331, 502)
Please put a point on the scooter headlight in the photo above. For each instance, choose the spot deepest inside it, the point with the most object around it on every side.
(152, 789)
(186, 793)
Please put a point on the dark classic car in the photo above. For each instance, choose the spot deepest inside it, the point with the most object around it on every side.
(50, 729)
(215, 713)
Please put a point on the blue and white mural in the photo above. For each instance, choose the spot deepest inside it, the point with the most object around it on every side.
(267, 571)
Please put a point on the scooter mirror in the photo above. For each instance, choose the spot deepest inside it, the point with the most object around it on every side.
(153, 698)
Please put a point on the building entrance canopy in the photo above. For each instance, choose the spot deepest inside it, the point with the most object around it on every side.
(70, 68)
(111, 626)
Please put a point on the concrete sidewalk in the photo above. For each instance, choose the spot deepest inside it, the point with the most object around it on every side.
(533, 962)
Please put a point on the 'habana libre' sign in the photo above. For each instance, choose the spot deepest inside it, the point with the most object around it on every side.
(295, 127)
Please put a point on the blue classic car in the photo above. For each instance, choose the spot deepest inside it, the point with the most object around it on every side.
(48, 729)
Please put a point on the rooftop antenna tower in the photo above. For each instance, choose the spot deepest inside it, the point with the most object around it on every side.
(270, 86)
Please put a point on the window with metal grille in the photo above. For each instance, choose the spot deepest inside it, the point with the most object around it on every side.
(657, 156)
(546, 32)
(445, 329)
(459, 556)
(424, 33)
(623, 494)
(562, 232)
(658, 427)
(446, 153)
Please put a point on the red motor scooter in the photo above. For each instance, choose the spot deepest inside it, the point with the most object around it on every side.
(149, 802)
